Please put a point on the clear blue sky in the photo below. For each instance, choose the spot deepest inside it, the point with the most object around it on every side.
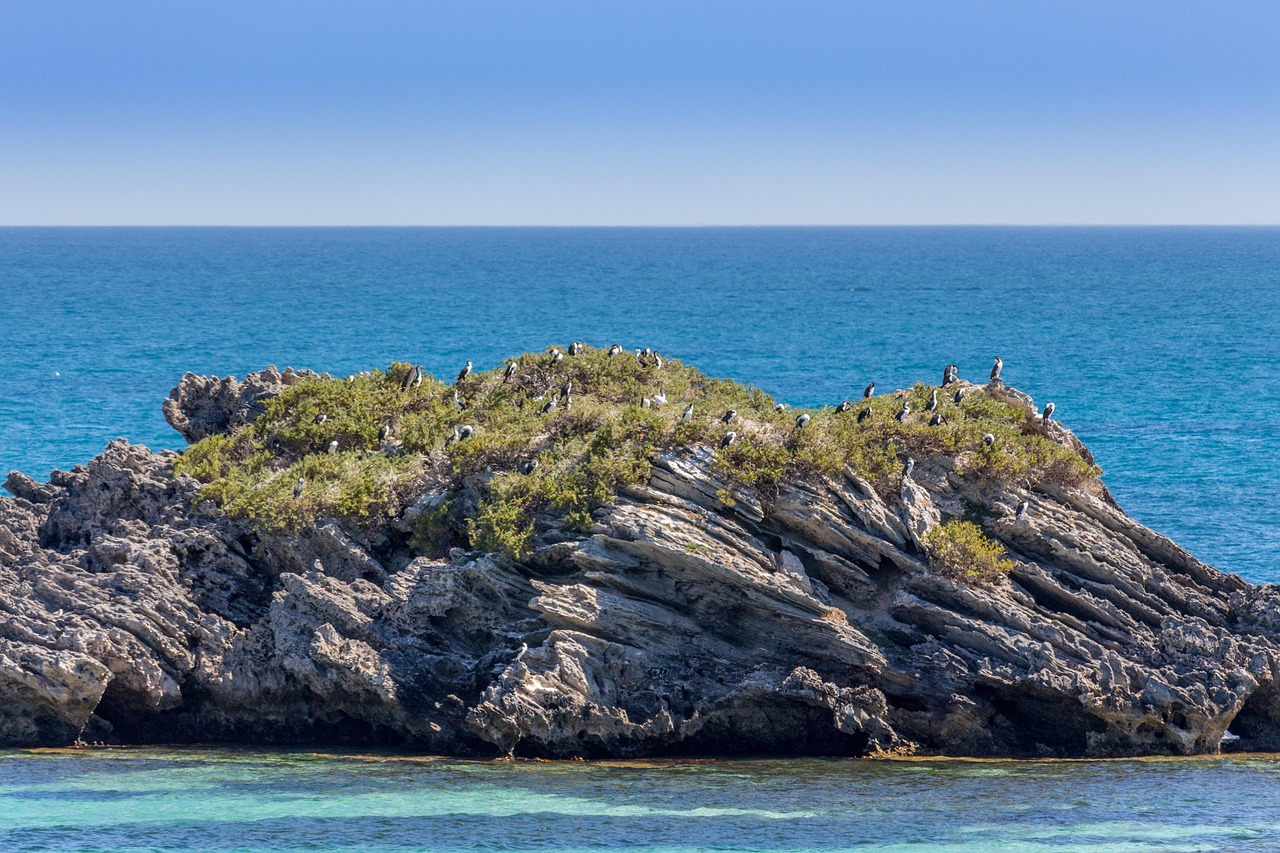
(639, 112)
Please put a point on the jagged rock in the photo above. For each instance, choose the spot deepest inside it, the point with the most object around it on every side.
(805, 621)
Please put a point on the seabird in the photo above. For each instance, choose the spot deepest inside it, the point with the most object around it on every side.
(661, 399)
(950, 374)
(729, 416)
(657, 361)
(933, 401)
(567, 389)
(320, 418)
(511, 370)
(864, 414)
(524, 649)
(1022, 510)
(550, 406)
(465, 431)
(1048, 412)
(297, 488)
(687, 417)
(988, 439)
(996, 368)
(646, 352)
(908, 468)
(802, 421)
(780, 407)
(937, 419)
(575, 348)
(529, 466)
(869, 391)
(959, 396)
(729, 438)
(646, 403)
(333, 447)
(413, 379)
(568, 401)
(556, 355)
(616, 349)
(457, 401)
(640, 359)
(906, 410)
(464, 372)
(384, 432)
(844, 406)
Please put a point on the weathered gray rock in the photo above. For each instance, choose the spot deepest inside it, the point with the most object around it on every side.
(807, 622)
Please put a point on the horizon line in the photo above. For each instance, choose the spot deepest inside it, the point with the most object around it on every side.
(678, 225)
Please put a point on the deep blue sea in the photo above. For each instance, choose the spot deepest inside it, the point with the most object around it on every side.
(1159, 345)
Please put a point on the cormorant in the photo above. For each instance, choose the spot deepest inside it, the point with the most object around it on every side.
(333, 447)
(464, 372)
(996, 368)
(959, 396)
(844, 406)
(988, 439)
(933, 401)
(937, 419)
(412, 379)
(384, 432)
(567, 389)
(457, 401)
(297, 488)
(869, 391)
(661, 399)
(802, 421)
(575, 348)
(687, 417)
(1022, 510)
(511, 370)
(729, 416)
(556, 355)
(568, 401)
(646, 403)
(657, 361)
(529, 466)
(904, 411)
(864, 414)
(550, 406)
(320, 418)
(465, 431)
(524, 649)
(950, 374)
(1048, 412)
(616, 349)
(780, 407)
(908, 468)
(729, 438)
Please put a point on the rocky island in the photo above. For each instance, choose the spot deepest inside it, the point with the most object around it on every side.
(593, 553)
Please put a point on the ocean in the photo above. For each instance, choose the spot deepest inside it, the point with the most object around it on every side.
(1158, 346)
(187, 801)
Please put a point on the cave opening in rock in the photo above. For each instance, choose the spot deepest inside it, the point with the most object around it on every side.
(1039, 725)
(1258, 722)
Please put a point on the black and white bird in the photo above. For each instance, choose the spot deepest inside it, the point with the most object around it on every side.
(657, 361)
(904, 411)
(464, 372)
(511, 370)
(556, 355)
(465, 431)
(780, 407)
(529, 466)
(413, 379)
(320, 418)
(996, 368)
(457, 401)
(687, 417)
(333, 447)
(661, 398)
(524, 650)
(864, 414)
(616, 349)
(802, 421)
(1022, 510)
(575, 348)
(550, 406)
(959, 397)
(567, 389)
(646, 403)
(933, 401)
(384, 432)
(908, 467)
(298, 487)
(950, 374)
(1048, 412)
(567, 402)
(937, 419)
(844, 406)
(729, 416)
(869, 391)
(988, 439)
(729, 438)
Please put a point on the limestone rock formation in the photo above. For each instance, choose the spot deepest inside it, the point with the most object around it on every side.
(806, 622)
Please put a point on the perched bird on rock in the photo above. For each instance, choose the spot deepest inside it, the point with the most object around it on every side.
(950, 374)
(996, 368)
(1048, 412)
(1022, 510)
(908, 467)
(729, 438)
(464, 372)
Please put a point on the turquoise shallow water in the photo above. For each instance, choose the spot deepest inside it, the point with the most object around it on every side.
(199, 800)
(1157, 344)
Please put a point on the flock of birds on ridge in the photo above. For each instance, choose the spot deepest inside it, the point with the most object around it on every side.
(649, 358)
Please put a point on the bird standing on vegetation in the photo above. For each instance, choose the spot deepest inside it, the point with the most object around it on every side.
(556, 355)
(729, 416)
(950, 374)
(996, 368)
(298, 487)
(904, 411)
(616, 349)
(457, 401)
(550, 406)
(780, 407)
(1048, 412)
(464, 372)
(567, 389)
(729, 438)
(937, 419)
(412, 379)
(646, 403)
(869, 391)
(511, 369)
(864, 414)
(529, 466)
(384, 432)
(657, 361)
(802, 421)
(959, 397)
(320, 418)
(988, 439)
(575, 348)
(844, 406)
(687, 417)
(933, 401)
(333, 447)
(661, 399)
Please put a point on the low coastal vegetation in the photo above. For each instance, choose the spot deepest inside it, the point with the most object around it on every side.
(559, 436)
(960, 550)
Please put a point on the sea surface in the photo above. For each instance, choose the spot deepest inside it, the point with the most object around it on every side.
(1159, 345)
(137, 800)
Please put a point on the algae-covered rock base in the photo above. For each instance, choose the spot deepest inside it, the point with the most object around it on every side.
(596, 552)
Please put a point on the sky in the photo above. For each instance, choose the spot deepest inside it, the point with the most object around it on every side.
(697, 112)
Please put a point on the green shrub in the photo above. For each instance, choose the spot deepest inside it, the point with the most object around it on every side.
(961, 551)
